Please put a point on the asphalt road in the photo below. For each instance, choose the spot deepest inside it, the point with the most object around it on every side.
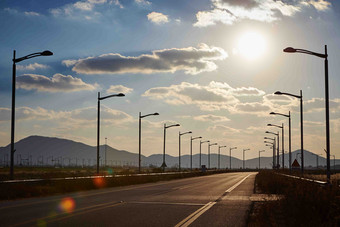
(215, 200)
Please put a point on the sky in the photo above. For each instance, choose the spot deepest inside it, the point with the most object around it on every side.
(211, 66)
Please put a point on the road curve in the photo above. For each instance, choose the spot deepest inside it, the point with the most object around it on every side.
(215, 200)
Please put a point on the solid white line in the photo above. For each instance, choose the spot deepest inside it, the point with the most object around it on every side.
(166, 203)
(192, 217)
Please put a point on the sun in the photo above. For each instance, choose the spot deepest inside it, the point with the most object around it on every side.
(251, 45)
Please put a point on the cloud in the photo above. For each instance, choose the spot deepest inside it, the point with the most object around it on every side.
(27, 113)
(158, 18)
(230, 11)
(206, 97)
(58, 83)
(256, 108)
(143, 2)
(32, 67)
(80, 9)
(32, 14)
(318, 104)
(117, 3)
(211, 117)
(191, 60)
(119, 89)
(224, 129)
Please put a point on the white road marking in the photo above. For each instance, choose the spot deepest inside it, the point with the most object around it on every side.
(192, 217)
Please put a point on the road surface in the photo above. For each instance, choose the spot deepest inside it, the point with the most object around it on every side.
(215, 200)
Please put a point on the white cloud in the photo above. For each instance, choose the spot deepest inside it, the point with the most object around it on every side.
(230, 11)
(119, 89)
(117, 3)
(82, 9)
(143, 2)
(158, 18)
(211, 117)
(32, 67)
(32, 13)
(191, 60)
(318, 104)
(58, 83)
(223, 129)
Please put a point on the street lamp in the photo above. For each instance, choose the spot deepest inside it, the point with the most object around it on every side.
(278, 145)
(243, 156)
(166, 127)
(333, 162)
(317, 160)
(16, 60)
(219, 154)
(213, 144)
(301, 121)
(98, 121)
(140, 138)
(179, 147)
(260, 158)
(324, 56)
(281, 127)
(201, 142)
(290, 136)
(230, 149)
(191, 139)
(105, 149)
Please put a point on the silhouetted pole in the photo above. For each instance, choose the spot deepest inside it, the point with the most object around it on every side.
(16, 60)
(166, 127)
(191, 139)
(179, 147)
(219, 155)
(140, 138)
(98, 121)
(333, 162)
(207, 141)
(325, 57)
(243, 157)
(232, 148)
(105, 150)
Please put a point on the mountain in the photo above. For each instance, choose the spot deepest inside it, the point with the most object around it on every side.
(39, 150)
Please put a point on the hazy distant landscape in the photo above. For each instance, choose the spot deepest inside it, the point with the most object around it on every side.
(39, 150)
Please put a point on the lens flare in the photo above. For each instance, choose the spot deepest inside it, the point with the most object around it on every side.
(67, 205)
(99, 182)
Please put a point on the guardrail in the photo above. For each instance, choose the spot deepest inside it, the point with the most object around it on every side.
(322, 183)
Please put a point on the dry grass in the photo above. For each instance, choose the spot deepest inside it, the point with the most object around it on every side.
(304, 203)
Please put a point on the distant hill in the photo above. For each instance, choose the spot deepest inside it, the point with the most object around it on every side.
(39, 150)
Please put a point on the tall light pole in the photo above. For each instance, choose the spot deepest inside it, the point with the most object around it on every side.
(140, 138)
(317, 160)
(219, 154)
(281, 127)
(213, 144)
(179, 147)
(243, 156)
(301, 121)
(201, 142)
(191, 139)
(333, 162)
(325, 57)
(274, 160)
(165, 128)
(290, 137)
(98, 121)
(16, 60)
(272, 146)
(105, 149)
(230, 149)
(260, 158)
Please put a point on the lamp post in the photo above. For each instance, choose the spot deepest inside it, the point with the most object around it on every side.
(301, 121)
(98, 121)
(16, 60)
(272, 144)
(219, 154)
(179, 147)
(290, 136)
(278, 144)
(317, 160)
(191, 139)
(325, 57)
(105, 149)
(209, 145)
(166, 127)
(243, 156)
(276, 134)
(230, 149)
(201, 142)
(140, 138)
(260, 158)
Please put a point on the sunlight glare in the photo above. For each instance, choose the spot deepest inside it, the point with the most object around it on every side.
(251, 45)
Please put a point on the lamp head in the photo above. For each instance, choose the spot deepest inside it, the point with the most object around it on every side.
(46, 53)
(272, 113)
(278, 93)
(269, 124)
(155, 114)
(289, 50)
(120, 95)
